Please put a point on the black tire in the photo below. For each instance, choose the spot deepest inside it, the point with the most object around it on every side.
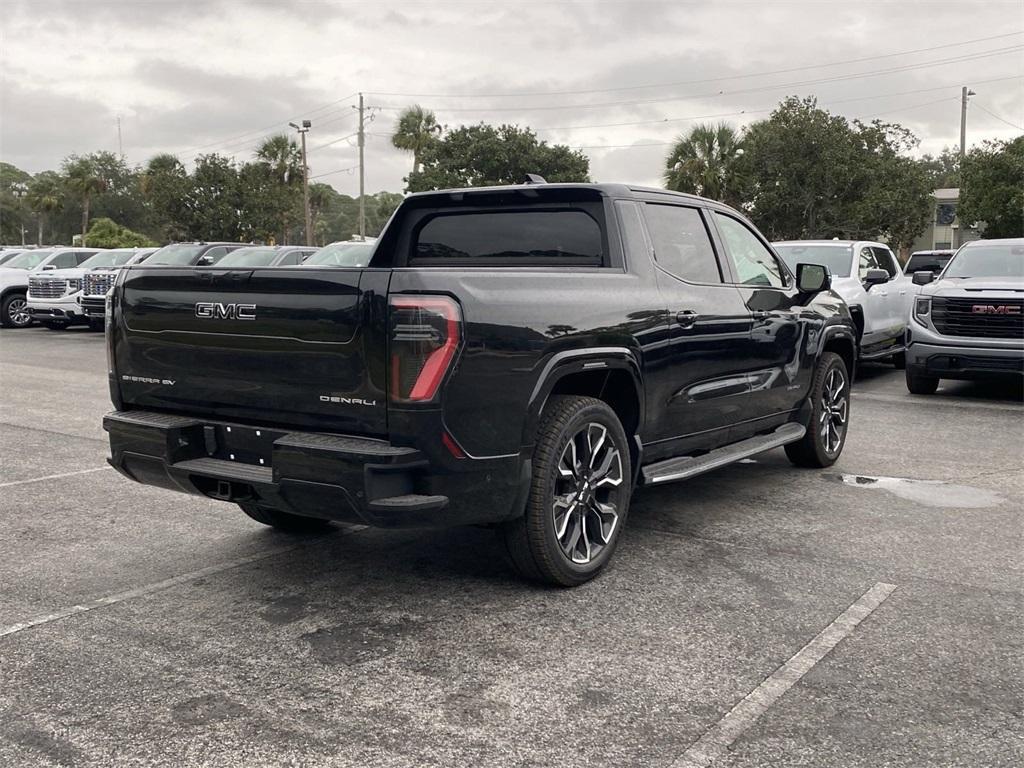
(919, 384)
(12, 311)
(54, 325)
(830, 416)
(900, 360)
(590, 480)
(285, 521)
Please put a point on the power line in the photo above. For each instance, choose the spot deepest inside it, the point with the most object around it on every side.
(695, 82)
(997, 117)
(661, 120)
(339, 170)
(334, 141)
(197, 150)
(776, 86)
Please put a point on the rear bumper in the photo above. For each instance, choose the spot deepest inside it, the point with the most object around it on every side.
(335, 477)
(964, 362)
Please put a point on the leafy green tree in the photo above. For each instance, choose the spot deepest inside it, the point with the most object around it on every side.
(810, 174)
(802, 169)
(106, 233)
(894, 203)
(164, 185)
(13, 209)
(704, 162)
(992, 191)
(321, 199)
(943, 169)
(416, 129)
(83, 180)
(213, 199)
(45, 197)
(483, 155)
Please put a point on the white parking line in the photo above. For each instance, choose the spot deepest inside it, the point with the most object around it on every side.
(53, 477)
(149, 589)
(714, 743)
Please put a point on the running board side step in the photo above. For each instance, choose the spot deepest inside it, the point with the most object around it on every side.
(684, 467)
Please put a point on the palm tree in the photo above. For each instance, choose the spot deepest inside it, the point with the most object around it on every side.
(416, 129)
(704, 163)
(82, 179)
(44, 197)
(320, 196)
(283, 157)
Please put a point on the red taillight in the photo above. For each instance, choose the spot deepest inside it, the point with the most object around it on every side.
(425, 335)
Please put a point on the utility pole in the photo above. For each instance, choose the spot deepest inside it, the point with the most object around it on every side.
(306, 125)
(964, 95)
(120, 145)
(362, 175)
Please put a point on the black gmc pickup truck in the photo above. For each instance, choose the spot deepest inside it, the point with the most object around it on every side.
(519, 356)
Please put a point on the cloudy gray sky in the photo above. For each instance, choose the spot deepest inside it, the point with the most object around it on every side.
(618, 79)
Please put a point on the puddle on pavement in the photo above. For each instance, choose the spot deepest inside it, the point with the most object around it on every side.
(932, 493)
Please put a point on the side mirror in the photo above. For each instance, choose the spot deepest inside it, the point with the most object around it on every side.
(923, 278)
(812, 278)
(204, 261)
(875, 277)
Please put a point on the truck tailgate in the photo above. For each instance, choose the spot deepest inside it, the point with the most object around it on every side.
(303, 346)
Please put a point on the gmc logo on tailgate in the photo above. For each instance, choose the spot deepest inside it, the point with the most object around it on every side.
(210, 310)
(988, 309)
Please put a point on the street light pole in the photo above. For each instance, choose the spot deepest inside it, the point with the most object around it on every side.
(362, 174)
(306, 125)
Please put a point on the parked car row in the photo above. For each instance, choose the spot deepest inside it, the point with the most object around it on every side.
(946, 315)
(60, 286)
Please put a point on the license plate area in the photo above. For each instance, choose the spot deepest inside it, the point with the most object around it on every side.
(246, 445)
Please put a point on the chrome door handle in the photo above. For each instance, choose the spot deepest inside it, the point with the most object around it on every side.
(686, 318)
(759, 314)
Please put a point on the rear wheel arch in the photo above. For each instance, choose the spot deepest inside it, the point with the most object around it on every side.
(613, 380)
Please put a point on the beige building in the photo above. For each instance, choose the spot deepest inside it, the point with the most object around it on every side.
(945, 230)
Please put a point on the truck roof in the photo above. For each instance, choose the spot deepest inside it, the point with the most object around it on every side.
(606, 189)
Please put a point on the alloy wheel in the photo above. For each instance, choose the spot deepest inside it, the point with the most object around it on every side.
(586, 504)
(17, 311)
(834, 411)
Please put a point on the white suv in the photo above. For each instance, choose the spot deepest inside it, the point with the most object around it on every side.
(868, 277)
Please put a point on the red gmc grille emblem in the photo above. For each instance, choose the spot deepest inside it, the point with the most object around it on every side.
(989, 309)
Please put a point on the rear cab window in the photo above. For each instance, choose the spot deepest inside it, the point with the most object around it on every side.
(529, 228)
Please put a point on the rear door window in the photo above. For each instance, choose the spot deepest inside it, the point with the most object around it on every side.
(682, 245)
(510, 238)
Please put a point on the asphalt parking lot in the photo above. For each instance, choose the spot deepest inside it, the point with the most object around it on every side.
(143, 627)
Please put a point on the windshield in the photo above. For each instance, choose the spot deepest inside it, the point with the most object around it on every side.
(108, 258)
(341, 255)
(249, 257)
(176, 253)
(8, 255)
(838, 258)
(27, 260)
(927, 262)
(989, 260)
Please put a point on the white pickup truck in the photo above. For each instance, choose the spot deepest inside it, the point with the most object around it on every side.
(53, 263)
(868, 277)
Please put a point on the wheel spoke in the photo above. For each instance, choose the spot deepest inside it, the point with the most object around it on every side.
(594, 449)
